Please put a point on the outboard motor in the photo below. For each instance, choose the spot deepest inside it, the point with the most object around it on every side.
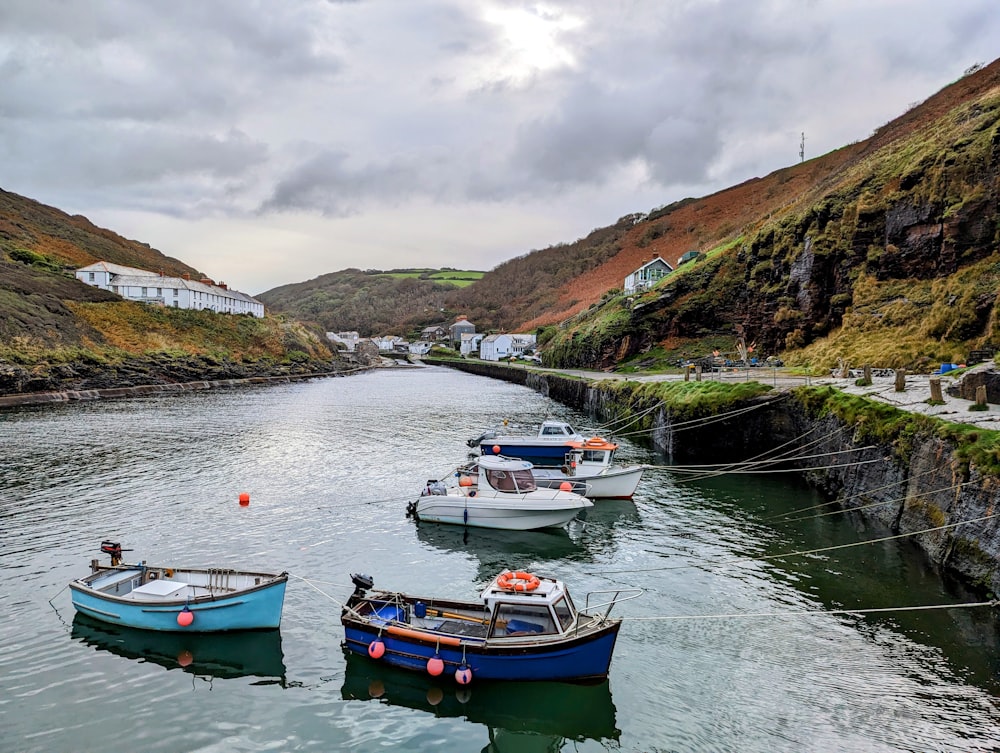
(485, 435)
(361, 583)
(114, 549)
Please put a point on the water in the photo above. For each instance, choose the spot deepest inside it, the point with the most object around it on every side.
(329, 465)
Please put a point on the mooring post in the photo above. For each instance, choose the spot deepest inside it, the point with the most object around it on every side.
(868, 373)
(936, 390)
(981, 396)
(687, 373)
(697, 372)
(900, 380)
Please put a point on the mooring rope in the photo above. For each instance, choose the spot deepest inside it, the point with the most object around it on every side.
(878, 504)
(706, 420)
(807, 612)
(746, 466)
(802, 552)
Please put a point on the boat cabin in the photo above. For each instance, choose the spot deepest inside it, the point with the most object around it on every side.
(545, 610)
(506, 474)
(557, 430)
(595, 453)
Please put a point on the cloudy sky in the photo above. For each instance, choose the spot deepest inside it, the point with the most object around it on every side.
(270, 141)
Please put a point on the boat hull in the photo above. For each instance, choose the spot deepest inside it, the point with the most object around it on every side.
(570, 659)
(553, 454)
(490, 512)
(254, 608)
(611, 484)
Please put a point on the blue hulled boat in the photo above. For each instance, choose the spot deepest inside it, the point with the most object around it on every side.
(547, 448)
(524, 627)
(177, 598)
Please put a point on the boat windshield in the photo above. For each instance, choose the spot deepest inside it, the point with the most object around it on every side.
(511, 481)
(564, 612)
(600, 457)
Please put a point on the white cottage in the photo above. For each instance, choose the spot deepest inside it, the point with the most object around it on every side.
(495, 347)
(470, 343)
(177, 292)
(647, 275)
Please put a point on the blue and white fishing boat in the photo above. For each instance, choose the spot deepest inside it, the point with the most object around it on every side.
(524, 627)
(177, 598)
(547, 448)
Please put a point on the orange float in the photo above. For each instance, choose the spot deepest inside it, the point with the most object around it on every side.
(518, 581)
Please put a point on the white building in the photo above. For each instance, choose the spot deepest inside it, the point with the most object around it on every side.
(470, 343)
(647, 275)
(176, 292)
(348, 339)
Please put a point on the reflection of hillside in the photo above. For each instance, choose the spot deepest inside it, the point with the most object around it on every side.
(497, 550)
(255, 653)
(522, 716)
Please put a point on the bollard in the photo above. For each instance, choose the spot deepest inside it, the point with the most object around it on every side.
(900, 380)
(936, 390)
(981, 396)
(697, 373)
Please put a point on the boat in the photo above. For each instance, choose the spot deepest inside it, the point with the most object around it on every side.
(589, 471)
(498, 492)
(173, 598)
(523, 627)
(248, 653)
(546, 448)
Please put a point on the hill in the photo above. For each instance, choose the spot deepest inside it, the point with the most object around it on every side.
(885, 251)
(372, 302)
(58, 333)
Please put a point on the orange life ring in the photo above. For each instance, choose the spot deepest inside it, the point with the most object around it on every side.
(595, 441)
(518, 581)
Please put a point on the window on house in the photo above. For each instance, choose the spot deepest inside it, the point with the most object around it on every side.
(90, 275)
(143, 293)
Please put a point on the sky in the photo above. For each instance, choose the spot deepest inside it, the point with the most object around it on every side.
(267, 142)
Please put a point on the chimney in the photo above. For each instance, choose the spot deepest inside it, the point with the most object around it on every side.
(186, 276)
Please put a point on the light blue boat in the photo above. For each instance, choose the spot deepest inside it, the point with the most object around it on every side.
(178, 599)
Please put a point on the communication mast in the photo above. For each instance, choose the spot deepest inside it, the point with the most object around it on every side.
(802, 148)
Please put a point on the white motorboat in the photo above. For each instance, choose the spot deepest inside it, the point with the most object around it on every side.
(499, 493)
(588, 469)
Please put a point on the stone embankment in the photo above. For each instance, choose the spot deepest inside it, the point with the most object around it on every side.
(93, 380)
(909, 473)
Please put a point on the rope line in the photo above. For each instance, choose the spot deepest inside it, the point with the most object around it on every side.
(802, 552)
(878, 504)
(805, 612)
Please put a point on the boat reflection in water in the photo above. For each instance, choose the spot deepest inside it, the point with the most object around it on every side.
(495, 549)
(248, 653)
(521, 716)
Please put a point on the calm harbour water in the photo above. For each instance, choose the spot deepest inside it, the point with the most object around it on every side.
(329, 465)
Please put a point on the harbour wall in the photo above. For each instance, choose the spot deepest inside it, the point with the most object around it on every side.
(902, 473)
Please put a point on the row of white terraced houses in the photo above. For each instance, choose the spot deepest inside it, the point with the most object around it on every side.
(177, 292)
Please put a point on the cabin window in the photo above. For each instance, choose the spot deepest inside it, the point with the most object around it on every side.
(523, 619)
(511, 481)
(552, 430)
(564, 612)
(593, 456)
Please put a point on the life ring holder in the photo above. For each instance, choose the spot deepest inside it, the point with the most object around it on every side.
(518, 581)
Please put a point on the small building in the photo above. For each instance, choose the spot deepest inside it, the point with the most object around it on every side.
(434, 333)
(689, 256)
(521, 344)
(348, 339)
(420, 348)
(495, 347)
(157, 289)
(647, 275)
(469, 344)
(461, 327)
(389, 343)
